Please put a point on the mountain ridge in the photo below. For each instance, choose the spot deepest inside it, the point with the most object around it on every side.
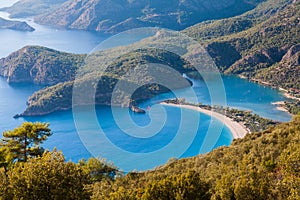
(113, 15)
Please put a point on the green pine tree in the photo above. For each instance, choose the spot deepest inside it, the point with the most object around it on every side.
(24, 142)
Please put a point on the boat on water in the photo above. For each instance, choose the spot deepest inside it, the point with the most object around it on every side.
(137, 110)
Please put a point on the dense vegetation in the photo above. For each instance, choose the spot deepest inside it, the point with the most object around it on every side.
(27, 171)
(263, 165)
(293, 106)
(23, 142)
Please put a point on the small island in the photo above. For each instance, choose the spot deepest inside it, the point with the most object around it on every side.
(15, 25)
(136, 109)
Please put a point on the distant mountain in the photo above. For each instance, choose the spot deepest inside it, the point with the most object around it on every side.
(25, 8)
(15, 25)
(119, 15)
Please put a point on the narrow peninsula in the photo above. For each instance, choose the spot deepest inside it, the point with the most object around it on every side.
(239, 122)
(15, 25)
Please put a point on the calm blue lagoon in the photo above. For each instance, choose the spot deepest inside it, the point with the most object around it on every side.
(240, 94)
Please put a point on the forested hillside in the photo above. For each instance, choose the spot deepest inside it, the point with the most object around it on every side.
(212, 29)
(257, 43)
(58, 70)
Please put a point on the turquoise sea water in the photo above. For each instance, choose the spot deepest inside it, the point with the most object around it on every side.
(141, 153)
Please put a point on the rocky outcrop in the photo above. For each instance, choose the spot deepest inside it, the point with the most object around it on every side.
(119, 15)
(39, 65)
(292, 57)
(15, 25)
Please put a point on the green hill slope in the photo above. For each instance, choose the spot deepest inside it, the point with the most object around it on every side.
(209, 30)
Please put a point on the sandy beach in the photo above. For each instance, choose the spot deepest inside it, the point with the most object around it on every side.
(236, 129)
(289, 96)
(280, 106)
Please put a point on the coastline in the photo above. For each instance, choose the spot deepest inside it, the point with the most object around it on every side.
(280, 105)
(285, 92)
(237, 130)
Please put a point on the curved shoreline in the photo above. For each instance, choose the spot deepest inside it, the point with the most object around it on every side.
(236, 129)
